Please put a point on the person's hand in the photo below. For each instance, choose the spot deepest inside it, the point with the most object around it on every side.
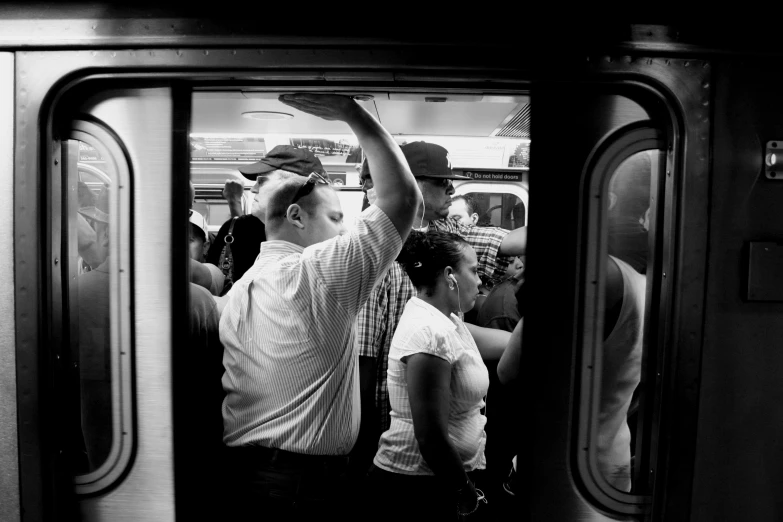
(326, 106)
(467, 500)
(233, 190)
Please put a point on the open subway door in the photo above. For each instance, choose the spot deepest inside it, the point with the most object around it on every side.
(601, 380)
(113, 312)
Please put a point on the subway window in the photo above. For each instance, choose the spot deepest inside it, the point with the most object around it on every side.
(97, 214)
(623, 299)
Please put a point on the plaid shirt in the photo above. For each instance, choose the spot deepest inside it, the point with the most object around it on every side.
(379, 317)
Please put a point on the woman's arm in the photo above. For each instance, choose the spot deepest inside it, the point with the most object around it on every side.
(508, 366)
(491, 343)
(429, 378)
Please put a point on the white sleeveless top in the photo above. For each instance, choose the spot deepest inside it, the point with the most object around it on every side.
(424, 329)
(620, 374)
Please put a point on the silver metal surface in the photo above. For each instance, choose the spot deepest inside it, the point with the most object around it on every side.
(141, 119)
(773, 160)
(9, 460)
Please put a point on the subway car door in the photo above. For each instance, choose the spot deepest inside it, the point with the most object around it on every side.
(113, 297)
(615, 269)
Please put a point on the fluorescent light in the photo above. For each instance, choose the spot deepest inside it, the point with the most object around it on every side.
(267, 115)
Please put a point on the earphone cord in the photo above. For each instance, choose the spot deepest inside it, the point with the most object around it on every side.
(459, 301)
(421, 223)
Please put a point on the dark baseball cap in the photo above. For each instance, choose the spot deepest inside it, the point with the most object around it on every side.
(285, 157)
(427, 160)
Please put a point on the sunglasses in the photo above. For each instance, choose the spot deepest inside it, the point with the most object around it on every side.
(309, 185)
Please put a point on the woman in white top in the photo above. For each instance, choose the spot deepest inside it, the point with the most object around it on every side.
(437, 381)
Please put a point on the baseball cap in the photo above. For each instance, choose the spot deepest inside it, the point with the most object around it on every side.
(427, 160)
(285, 157)
(197, 219)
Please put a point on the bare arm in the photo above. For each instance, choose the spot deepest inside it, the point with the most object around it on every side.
(491, 343)
(232, 192)
(199, 274)
(429, 379)
(398, 193)
(508, 366)
(515, 243)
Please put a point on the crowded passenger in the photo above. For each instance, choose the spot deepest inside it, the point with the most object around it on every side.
(425, 463)
(500, 308)
(291, 413)
(94, 330)
(463, 210)
(91, 253)
(378, 320)
(245, 233)
(201, 273)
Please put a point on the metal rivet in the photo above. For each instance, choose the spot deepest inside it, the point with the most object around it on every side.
(56, 161)
(664, 274)
(56, 261)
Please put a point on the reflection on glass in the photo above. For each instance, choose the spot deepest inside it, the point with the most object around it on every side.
(90, 321)
(626, 266)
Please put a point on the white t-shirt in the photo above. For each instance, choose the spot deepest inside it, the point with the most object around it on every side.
(424, 329)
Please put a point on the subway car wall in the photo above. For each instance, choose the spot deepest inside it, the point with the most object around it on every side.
(707, 100)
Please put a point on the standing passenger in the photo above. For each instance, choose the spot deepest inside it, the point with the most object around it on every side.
(379, 318)
(291, 413)
(437, 383)
(248, 232)
(463, 210)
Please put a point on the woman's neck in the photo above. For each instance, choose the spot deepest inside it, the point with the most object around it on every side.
(437, 301)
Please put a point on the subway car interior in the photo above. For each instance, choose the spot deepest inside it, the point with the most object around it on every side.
(652, 153)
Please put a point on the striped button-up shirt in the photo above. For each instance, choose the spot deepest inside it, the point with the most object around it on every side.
(291, 366)
(378, 319)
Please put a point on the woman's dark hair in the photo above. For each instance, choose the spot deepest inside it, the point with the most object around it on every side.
(425, 255)
(248, 234)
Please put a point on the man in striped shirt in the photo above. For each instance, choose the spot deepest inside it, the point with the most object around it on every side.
(379, 318)
(291, 413)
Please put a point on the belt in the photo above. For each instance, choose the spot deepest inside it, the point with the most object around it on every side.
(278, 457)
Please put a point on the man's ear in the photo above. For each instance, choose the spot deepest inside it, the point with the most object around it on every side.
(205, 248)
(474, 218)
(294, 215)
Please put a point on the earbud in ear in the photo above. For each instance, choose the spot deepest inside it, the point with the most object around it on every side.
(451, 276)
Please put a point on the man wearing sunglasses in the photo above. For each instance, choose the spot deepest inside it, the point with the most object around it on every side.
(291, 413)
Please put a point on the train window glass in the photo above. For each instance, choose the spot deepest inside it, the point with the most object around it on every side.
(490, 209)
(617, 397)
(96, 207)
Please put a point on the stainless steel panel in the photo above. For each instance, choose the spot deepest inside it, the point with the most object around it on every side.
(9, 460)
(141, 119)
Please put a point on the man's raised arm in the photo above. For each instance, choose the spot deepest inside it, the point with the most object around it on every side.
(398, 193)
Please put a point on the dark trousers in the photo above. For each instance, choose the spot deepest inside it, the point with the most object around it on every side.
(408, 498)
(271, 485)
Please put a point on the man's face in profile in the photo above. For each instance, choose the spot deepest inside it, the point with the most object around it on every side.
(459, 211)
